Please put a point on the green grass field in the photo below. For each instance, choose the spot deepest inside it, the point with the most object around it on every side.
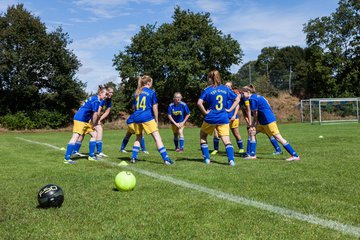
(189, 200)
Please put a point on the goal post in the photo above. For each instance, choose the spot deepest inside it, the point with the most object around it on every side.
(330, 110)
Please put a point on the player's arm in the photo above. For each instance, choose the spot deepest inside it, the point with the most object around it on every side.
(94, 118)
(105, 114)
(171, 119)
(200, 104)
(235, 103)
(156, 112)
(235, 112)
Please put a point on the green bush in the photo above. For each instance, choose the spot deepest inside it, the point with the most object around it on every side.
(46, 119)
(17, 121)
(37, 120)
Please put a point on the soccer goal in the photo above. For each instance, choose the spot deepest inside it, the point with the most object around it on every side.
(330, 110)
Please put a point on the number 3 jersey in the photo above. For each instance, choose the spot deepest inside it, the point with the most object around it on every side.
(217, 98)
(143, 105)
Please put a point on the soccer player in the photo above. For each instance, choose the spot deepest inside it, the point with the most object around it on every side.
(146, 118)
(216, 96)
(245, 108)
(85, 118)
(264, 121)
(105, 106)
(129, 133)
(234, 125)
(178, 114)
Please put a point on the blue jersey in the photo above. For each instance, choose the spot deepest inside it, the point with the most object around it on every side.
(231, 114)
(216, 98)
(178, 112)
(105, 104)
(265, 113)
(143, 105)
(130, 119)
(85, 112)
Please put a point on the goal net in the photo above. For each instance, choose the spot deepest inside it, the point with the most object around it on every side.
(330, 110)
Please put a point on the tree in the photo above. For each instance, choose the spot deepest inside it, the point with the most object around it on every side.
(177, 56)
(37, 71)
(338, 37)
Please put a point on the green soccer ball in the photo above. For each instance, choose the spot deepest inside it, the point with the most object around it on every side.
(125, 181)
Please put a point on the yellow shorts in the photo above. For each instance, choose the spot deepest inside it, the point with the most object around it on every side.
(131, 128)
(175, 129)
(222, 129)
(270, 129)
(82, 127)
(234, 123)
(149, 127)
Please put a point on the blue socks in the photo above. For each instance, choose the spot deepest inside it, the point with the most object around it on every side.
(252, 148)
(176, 142)
(99, 144)
(92, 145)
(182, 142)
(124, 143)
(142, 144)
(205, 150)
(135, 152)
(69, 150)
(240, 144)
(290, 150)
(275, 144)
(77, 146)
(230, 152)
(163, 153)
(216, 143)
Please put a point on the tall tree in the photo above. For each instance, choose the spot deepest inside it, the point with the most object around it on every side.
(338, 37)
(37, 70)
(178, 56)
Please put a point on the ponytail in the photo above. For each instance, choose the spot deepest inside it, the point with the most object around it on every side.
(214, 75)
(142, 81)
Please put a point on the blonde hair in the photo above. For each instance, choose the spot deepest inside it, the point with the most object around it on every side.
(214, 75)
(142, 81)
(177, 93)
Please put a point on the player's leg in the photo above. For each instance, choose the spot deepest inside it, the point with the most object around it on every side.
(216, 141)
(223, 131)
(181, 139)
(125, 141)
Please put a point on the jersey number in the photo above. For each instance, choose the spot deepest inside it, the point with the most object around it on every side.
(219, 106)
(141, 103)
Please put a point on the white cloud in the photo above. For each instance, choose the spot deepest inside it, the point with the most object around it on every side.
(213, 6)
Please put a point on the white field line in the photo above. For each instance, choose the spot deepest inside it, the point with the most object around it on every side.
(344, 228)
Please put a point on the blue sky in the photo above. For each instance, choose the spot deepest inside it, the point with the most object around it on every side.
(101, 28)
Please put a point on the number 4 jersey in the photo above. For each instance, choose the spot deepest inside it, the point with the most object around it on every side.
(143, 105)
(216, 98)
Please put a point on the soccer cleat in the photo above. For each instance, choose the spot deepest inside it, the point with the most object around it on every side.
(293, 158)
(277, 153)
(93, 158)
(177, 150)
(214, 152)
(101, 155)
(133, 160)
(168, 162)
(123, 151)
(77, 154)
(207, 161)
(146, 152)
(241, 150)
(232, 163)
(69, 161)
(249, 157)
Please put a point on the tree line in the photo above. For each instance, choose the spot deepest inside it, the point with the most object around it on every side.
(39, 88)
